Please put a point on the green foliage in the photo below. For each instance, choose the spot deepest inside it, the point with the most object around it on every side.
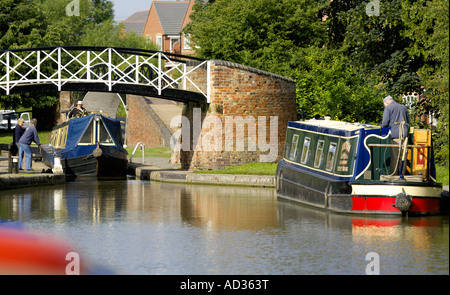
(111, 34)
(375, 44)
(326, 85)
(38, 23)
(22, 24)
(289, 38)
(427, 26)
(342, 59)
(258, 33)
(121, 112)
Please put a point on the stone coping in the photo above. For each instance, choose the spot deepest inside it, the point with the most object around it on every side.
(149, 172)
(234, 65)
(12, 181)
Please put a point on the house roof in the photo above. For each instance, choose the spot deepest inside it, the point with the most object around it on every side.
(136, 22)
(171, 15)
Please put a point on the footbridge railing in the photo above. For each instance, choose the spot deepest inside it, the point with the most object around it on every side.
(122, 70)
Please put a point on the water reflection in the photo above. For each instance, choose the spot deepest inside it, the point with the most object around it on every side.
(156, 228)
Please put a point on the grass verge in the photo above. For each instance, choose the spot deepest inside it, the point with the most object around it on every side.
(160, 152)
(246, 169)
(44, 137)
(442, 174)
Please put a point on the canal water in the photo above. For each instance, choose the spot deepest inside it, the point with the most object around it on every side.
(140, 227)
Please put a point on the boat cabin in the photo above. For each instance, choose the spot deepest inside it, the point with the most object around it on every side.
(85, 131)
(353, 151)
(345, 167)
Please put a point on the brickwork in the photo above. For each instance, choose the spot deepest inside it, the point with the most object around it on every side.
(63, 106)
(142, 124)
(246, 94)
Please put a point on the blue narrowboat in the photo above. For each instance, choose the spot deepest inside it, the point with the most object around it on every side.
(345, 167)
(89, 146)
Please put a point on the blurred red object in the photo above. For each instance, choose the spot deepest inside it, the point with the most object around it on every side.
(24, 252)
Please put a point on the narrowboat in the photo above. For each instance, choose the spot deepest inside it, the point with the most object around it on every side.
(345, 167)
(88, 146)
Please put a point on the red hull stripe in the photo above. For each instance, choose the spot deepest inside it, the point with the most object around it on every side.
(419, 205)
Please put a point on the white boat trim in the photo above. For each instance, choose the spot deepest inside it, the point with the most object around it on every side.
(392, 190)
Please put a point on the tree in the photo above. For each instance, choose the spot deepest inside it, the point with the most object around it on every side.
(111, 34)
(31, 23)
(375, 44)
(63, 29)
(258, 33)
(287, 37)
(325, 85)
(21, 24)
(427, 28)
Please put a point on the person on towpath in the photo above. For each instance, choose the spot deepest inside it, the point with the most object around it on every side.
(25, 141)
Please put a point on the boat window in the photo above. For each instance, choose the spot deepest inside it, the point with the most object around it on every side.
(64, 136)
(319, 154)
(104, 136)
(294, 144)
(88, 136)
(331, 156)
(305, 151)
(58, 138)
(53, 138)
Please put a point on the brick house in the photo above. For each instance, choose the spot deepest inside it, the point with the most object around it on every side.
(165, 21)
(136, 22)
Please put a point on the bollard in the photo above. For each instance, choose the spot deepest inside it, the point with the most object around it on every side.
(57, 167)
(15, 165)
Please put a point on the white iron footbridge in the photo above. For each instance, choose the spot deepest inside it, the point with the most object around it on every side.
(105, 69)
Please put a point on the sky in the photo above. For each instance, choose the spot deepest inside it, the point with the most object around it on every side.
(125, 8)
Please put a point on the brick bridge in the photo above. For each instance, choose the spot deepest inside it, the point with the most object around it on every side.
(230, 114)
(245, 120)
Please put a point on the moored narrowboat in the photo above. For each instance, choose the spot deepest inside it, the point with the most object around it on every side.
(88, 146)
(345, 167)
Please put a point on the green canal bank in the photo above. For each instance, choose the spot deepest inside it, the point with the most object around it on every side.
(160, 170)
(153, 168)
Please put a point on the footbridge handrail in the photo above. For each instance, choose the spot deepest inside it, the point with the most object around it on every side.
(108, 66)
(142, 150)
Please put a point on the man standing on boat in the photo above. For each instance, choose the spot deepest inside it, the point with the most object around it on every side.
(396, 117)
(77, 111)
(28, 136)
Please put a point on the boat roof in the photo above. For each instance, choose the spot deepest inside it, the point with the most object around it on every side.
(332, 126)
(338, 124)
(78, 126)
